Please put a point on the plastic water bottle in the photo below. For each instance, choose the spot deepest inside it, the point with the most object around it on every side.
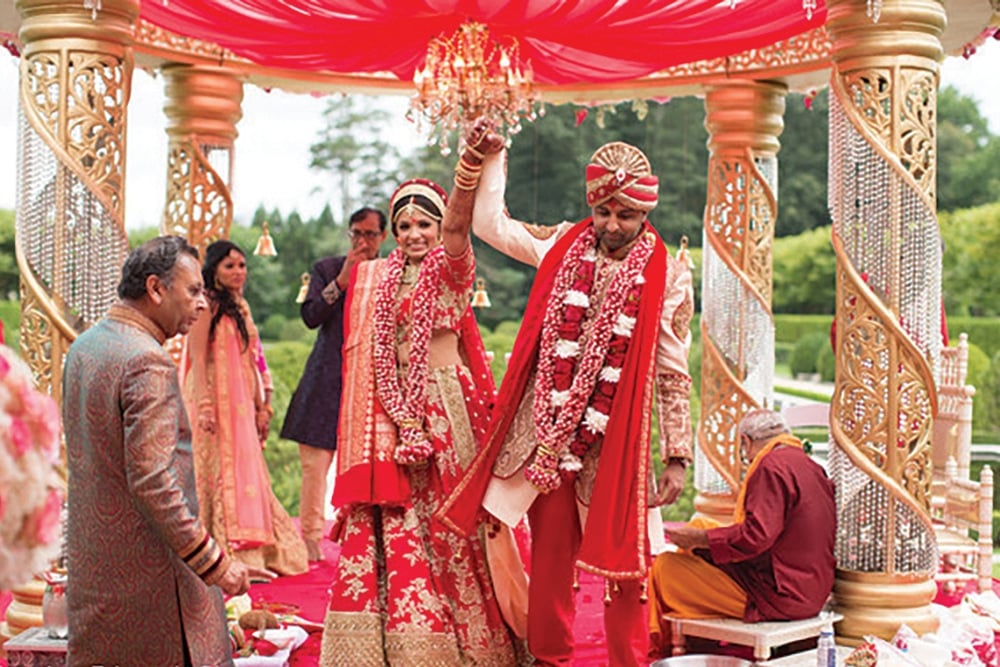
(826, 649)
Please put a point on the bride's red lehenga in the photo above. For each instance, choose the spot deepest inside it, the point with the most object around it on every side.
(408, 590)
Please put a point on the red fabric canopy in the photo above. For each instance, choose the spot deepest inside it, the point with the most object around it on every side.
(566, 41)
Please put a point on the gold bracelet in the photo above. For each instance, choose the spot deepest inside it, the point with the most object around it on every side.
(467, 175)
(475, 152)
(464, 166)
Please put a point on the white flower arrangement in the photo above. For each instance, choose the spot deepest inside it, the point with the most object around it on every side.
(567, 349)
(31, 491)
(595, 420)
(559, 398)
(624, 326)
(610, 374)
(577, 298)
(570, 462)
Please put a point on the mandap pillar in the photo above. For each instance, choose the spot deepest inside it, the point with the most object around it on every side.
(885, 234)
(76, 75)
(202, 108)
(75, 82)
(744, 119)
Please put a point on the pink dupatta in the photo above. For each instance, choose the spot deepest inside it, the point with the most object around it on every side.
(226, 374)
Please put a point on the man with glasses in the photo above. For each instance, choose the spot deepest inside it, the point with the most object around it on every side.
(314, 411)
(774, 562)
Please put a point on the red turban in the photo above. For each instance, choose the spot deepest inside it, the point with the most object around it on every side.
(620, 171)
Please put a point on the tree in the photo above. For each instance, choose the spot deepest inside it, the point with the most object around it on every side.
(972, 243)
(802, 165)
(804, 269)
(966, 154)
(351, 146)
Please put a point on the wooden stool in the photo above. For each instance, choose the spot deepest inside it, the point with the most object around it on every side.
(762, 636)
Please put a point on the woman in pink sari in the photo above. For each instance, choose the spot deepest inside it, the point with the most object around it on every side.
(227, 391)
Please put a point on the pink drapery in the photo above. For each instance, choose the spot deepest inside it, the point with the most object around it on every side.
(566, 41)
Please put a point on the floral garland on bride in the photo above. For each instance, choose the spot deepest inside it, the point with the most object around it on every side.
(31, 491)
(576, 384)
(403, 398)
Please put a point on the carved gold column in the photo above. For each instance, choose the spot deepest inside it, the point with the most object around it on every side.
(203, 106)
(885, 235)
(744, 120)
(76, 72)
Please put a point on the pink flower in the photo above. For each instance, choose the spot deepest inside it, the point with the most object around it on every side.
(4, 367)
(20, 436)
(3, 504)
(46, 518)
(44, 413)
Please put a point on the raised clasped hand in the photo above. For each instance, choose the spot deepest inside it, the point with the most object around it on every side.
(483, 138)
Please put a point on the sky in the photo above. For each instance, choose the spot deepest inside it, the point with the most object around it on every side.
(271, 166)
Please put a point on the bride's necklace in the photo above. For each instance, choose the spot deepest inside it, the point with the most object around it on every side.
(410, 273)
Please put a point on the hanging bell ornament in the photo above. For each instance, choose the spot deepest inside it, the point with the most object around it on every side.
(684, 255)
(480, 299)
(304, 290)
(265, 245)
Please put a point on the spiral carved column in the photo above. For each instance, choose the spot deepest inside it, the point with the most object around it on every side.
(203, 106)
(76, 72)
(75, 82)
(744, 120)
(885, 235)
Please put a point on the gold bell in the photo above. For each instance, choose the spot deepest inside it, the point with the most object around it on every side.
(304, 290)
(684, 255)
(480, 299)
(265, 245)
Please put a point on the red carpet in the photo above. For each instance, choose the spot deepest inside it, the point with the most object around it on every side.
(308, 593)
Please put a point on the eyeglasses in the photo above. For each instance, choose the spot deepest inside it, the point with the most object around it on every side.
(358, 234)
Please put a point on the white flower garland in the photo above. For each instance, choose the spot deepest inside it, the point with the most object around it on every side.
(558, 413)
(404, 401)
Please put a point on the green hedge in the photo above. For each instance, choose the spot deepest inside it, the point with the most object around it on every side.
(805, 354)
(790, 328)
(983, 331)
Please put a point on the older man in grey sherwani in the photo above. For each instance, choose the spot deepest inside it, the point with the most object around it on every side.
(142, 570)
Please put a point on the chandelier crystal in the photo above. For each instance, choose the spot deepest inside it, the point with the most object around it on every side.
(468, 75)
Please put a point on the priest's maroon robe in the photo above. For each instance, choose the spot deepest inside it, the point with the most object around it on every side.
(782, 552)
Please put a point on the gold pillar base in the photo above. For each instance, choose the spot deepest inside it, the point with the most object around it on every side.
(25, 611)
(877, 604)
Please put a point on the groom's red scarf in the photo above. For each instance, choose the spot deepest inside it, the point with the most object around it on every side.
(614, 537)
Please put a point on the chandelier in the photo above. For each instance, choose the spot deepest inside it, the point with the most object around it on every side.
(469, 75)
